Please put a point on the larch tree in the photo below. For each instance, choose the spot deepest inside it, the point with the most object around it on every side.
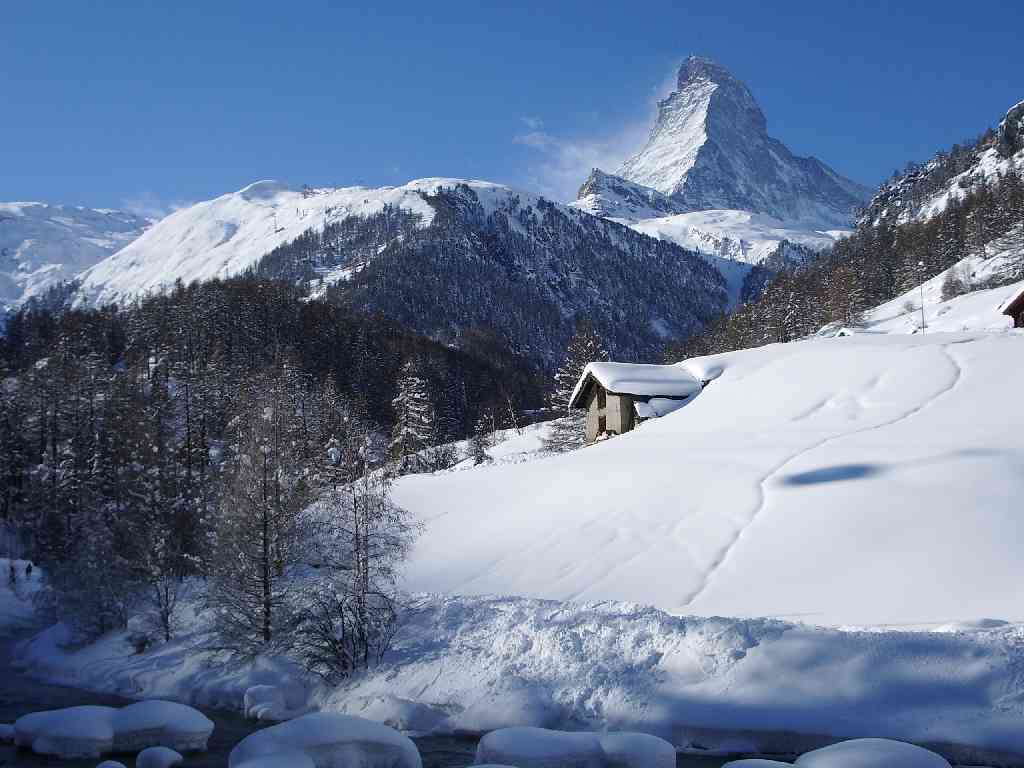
(584, 347)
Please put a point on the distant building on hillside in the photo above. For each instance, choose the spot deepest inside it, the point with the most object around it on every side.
(1015, 308)
(619, 396)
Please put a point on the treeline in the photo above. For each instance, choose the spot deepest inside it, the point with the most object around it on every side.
(877, 263)
(143, 444)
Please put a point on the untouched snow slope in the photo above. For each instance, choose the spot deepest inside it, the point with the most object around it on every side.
(751, 238)
(226, 235)
(866, 480)
(41, 245)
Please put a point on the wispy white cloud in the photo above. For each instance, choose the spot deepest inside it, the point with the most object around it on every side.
(563, 162)
(150, 205)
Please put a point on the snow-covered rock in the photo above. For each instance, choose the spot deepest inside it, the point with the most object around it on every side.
(265, 702)
(326, 739)
(872, 753)
(158, 757)
(42, 245)
(91, 731)
(162, 723)
(756, 762)
(110, 764)
(73, 732)
(637, 750)
(527, 747)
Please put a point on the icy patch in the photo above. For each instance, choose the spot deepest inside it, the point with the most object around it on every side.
(158, 757)
(872, 753)
(91, 731)
(326, 739)
(540, 748)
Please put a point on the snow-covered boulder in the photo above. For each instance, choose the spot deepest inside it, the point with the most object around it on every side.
(326, 739)
(111, 764)
(637, 750)
(72, 732)
(527, 747)
(265, 702)
(93, 731)
(871, 753)
(158, 757)
(756, 762)
(160, 723)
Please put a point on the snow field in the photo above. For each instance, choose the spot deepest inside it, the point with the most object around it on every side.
(829, 480)
(326, 739)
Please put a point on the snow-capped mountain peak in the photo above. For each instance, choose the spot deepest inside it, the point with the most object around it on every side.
(709, 149)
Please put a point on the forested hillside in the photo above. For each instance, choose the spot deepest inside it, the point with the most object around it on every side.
(128, 436)
(919, 225)
(525, 268)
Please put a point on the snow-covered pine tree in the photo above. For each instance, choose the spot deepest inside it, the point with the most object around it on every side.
(481, 439)
(584, 347)
(414, 417)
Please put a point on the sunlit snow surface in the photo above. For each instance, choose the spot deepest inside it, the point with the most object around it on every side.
(866, 480)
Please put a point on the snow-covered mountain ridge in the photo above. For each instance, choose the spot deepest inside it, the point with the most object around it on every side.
(711, 178)
(439, 256)
(42, 245)
(925, 190)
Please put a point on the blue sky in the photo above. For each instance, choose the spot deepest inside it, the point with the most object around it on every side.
(150, 105)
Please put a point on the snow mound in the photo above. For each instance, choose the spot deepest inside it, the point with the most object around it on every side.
(160, 723)
(158, 757)
(756, 762)
(91, 731)
(111, 764)
(872, 753)
(326, 739)
(637, 750)
(540, 748)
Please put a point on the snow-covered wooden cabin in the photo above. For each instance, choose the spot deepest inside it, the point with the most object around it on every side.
(619, 396)
(1015, 308)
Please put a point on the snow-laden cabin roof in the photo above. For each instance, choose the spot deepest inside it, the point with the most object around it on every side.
(638, 379)
(1013, 302)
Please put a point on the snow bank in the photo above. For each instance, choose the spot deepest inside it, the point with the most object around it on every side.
(871, 753)
(749, 685)
(265, 702)
(158, 757)
(799, 484)
(91, 731)
(326, 739)
(540, 748)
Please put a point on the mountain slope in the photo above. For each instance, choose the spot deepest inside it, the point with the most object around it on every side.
(42, 245)
(830, 480)
(924, 191)
(441, 256)
(709, 149)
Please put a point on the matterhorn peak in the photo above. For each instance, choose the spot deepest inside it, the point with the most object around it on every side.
(709, 149)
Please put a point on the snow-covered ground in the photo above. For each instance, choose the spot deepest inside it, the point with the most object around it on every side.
(831, 480)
